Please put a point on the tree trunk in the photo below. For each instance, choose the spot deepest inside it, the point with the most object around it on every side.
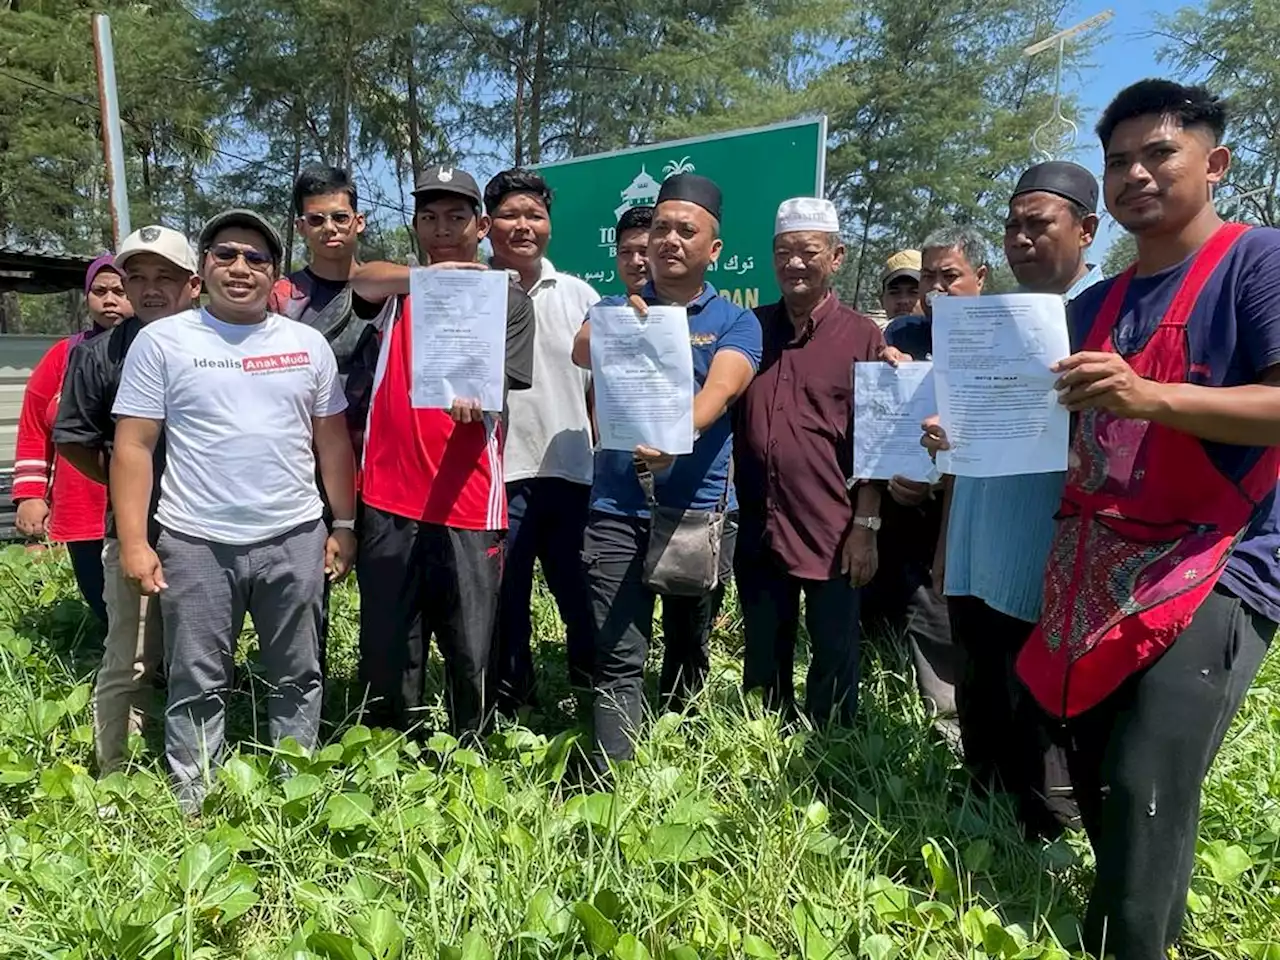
(545, 13)
(10, 312)
(416, 160)
(297, 168)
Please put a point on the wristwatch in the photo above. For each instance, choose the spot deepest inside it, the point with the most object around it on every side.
(344, 525)
(871, 523)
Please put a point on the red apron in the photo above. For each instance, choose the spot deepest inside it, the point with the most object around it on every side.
(1146, 525)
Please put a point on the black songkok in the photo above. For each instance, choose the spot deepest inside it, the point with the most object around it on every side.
(1066, 179)
(695, 189)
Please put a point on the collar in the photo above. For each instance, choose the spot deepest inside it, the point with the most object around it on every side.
(650, 295)
(1095, 275)
(825, 308)
(547, 274)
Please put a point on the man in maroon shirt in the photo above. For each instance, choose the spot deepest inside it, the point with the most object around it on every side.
(803, 527)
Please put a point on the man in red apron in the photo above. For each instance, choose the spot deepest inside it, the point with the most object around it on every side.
(1161, 590)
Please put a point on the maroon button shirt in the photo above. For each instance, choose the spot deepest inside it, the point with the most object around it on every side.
(793, 437)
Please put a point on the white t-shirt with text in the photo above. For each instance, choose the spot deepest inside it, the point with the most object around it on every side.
(237, 402)
(549, 428)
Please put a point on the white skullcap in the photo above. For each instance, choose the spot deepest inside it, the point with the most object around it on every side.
(806, 213)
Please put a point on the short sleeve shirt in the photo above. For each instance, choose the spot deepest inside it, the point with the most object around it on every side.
(237, 402)
(1233, 337)
(697, 480)
(421, 465)
(549, 429)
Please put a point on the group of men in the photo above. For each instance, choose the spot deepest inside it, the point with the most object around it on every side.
(1092, 633)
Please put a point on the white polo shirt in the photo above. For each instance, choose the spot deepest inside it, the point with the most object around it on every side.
(549, 430)
(237, 402)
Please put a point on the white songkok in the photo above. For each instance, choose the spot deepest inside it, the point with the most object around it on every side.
(806, 213)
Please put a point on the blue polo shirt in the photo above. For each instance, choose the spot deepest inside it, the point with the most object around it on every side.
(696, 480)
(1233, 335)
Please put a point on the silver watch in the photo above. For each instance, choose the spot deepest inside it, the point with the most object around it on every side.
(871, 523)
(344, 525)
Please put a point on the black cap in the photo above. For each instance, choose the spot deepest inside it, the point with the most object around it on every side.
(695, 189)
(448, 179)
(242, 218)
(1066, 179)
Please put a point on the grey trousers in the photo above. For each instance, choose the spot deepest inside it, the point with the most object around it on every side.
(280, 583)
(130, 658)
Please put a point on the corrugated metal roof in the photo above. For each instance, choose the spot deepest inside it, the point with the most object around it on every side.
(18, 356)
(48, 250)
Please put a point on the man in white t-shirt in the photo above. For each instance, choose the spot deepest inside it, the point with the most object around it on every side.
(548, 452)
(242, 396)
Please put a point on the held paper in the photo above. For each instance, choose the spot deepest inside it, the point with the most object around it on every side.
(888, 405)
(991, 359)
(642, 369)
(459, 337)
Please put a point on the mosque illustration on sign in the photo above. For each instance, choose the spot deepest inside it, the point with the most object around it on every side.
(643, 190)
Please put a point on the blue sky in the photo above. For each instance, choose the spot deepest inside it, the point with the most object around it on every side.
(1124, 56)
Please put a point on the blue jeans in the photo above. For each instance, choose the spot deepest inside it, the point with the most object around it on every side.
(546, 519)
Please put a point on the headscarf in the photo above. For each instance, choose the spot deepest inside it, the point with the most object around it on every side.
(105, 262)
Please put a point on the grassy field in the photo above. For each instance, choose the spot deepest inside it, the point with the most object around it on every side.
(727, 837)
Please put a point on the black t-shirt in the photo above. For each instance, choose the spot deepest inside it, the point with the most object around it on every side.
(320, 292)
(89, 393)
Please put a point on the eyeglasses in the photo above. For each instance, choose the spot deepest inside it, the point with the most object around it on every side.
(255, 259)
(340, 218)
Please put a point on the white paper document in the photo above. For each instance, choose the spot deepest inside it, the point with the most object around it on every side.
(888, 404)
(642, 368)
(991, 359)
(459, 337)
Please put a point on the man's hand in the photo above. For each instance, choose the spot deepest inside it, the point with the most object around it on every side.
(339, 554)
(935, 438)
(1104, 381)
(655, 460)
(909, 493)
(893, 356)
(33, 517)
(859, 558)
(636, 302)
(466, 411)
(141, 565)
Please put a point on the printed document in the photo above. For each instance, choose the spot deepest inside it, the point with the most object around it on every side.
(991, 359)
(642, 368)
(888, 405)
(459, 337)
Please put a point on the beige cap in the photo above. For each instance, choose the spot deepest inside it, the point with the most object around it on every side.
(904, 263)
(163, 242)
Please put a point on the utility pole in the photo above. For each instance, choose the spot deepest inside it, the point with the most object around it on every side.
(112, 139)
(1065, 139)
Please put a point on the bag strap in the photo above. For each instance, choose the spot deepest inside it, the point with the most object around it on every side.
(648, 485)
(728, 483)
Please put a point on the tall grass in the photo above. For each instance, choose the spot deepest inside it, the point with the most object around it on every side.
(727, 837)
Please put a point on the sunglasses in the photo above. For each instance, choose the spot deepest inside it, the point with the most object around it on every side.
(340, 218)
(255, 259)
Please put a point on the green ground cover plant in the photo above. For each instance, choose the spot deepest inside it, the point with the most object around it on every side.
(729, 836)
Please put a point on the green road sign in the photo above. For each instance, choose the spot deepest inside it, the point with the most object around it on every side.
(755, 169)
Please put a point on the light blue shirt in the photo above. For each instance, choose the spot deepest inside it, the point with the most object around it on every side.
(1000, 530)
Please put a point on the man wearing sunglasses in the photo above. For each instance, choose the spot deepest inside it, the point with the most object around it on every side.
(320, 295)
(248, 402)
